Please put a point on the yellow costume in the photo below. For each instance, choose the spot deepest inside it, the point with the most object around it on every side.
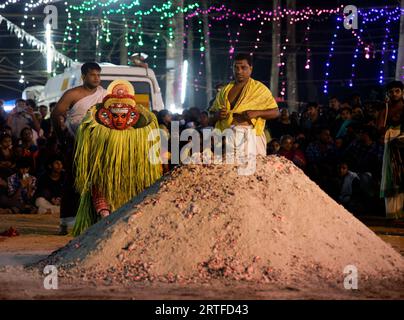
(254, 96)
(112, 153)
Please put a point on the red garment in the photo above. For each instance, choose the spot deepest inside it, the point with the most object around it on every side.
(296, 156)
(99, 201)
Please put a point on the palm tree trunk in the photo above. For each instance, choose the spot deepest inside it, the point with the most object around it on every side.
(291, 71)
(276, 38)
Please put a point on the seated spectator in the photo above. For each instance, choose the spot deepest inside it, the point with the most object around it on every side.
(349, 186)
(288, 151)
(21, 188)
(313, 121)
(358, 115)
(321, 159)
(7, 156)
(30, 149)
(321, 150)
(193, 117)
(204, 122)
(333, 110)
(282, 126)
(301, 142)
(45, 122)
(345, 120)
(273, 147)
(365, 154)
(47, 150)
(20, 117)
(50, 186)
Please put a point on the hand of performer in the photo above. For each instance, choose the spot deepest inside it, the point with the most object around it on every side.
(104, 213)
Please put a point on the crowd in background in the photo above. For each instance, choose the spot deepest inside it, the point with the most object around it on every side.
(337, 145)
(31, 163)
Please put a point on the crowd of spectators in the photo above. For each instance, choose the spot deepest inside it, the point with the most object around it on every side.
(337, 145)
(31, 164)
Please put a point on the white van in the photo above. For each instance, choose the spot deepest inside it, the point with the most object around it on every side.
(147, 89)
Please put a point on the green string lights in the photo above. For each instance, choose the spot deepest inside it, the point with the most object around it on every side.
(131, 22)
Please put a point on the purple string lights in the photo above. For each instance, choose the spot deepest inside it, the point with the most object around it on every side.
(330, 55)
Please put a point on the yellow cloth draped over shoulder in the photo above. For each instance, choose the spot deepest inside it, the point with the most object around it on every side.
(254, 96)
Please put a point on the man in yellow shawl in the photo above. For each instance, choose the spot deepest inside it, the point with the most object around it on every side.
(244, 104)
(113, 145)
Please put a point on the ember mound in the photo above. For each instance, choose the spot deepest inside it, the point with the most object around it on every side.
(208, 222)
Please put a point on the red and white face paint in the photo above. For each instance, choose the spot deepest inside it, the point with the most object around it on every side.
(118, 116)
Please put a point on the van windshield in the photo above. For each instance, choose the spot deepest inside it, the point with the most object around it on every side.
(142, 92)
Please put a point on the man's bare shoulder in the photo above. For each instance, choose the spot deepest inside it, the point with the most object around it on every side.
(72, 95)
(74, 91)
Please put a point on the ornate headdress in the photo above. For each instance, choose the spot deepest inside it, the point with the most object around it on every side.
(118, 110)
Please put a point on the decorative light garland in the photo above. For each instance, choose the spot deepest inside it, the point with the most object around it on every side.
(383, 52)
(308, 50)
(7, 3)
(330, 55)
(219, 13)
(202, 54)
(231, 48)
(281, 65)
(254, 14)
(33, 42)
(258, 38)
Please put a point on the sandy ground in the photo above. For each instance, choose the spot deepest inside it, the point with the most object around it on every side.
(38, 238)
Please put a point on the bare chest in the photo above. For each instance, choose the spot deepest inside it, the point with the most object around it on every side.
(234, 95)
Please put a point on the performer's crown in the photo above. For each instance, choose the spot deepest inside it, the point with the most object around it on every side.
(120, 92)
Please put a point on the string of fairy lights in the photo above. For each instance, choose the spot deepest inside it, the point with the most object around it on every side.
(131, 16)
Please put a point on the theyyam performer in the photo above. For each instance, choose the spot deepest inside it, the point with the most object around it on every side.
(112, 157)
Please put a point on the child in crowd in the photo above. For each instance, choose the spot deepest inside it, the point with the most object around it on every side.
(288, 151)
(22, 187)
(7, 156)
(30, 149)
(50, 186)
(349, 186)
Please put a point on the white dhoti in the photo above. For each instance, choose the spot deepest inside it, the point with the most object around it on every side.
(243, 146)
(76, 114)
(243, 141)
